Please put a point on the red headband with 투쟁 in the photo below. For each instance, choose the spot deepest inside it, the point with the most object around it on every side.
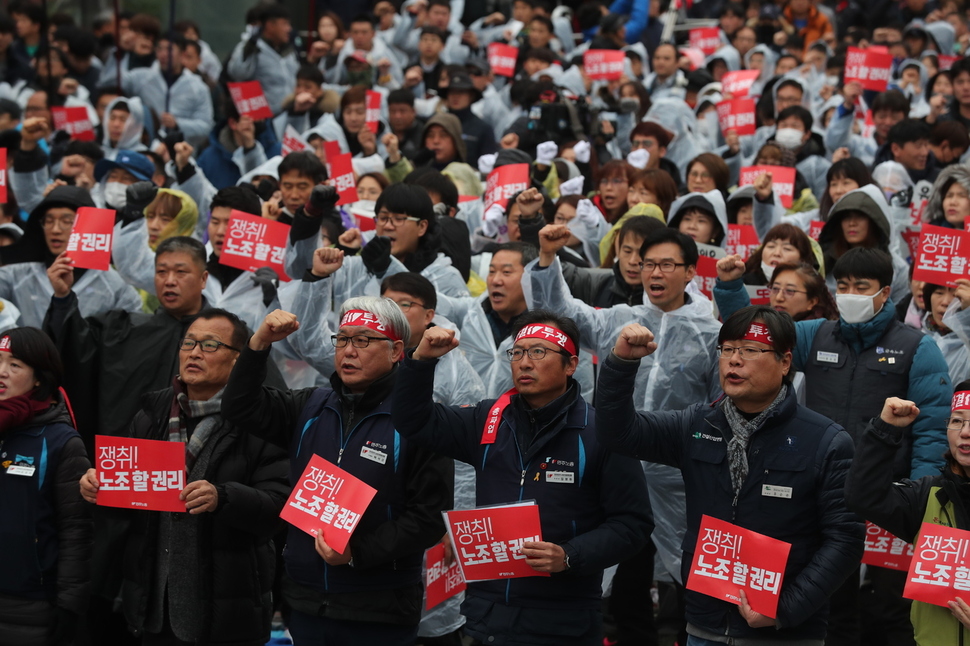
(548, 333)
(369, 320)
(5, 344)
(961, 401)
(759, 333)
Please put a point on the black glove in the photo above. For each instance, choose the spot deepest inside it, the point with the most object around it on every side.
(138, 196)
(529, 228)
(64, 629)
(266, 278)
(377, 255)
(322, 200)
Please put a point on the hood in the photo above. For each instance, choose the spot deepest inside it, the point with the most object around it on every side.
(648, 210)
(134, 126)
(32, 247)
(269, 167)
(329, 130)
(915, 98)
(465, 178)
(943, 34)
(712, 202)
(867, 199)
(678, 117)
(728, 54)
(792, 76)
(452, 126)
(767, 70)
(955, 173)
(184, 223)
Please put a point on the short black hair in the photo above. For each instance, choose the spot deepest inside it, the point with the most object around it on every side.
(413, 284)
(545, 21)
(892, 100)
(907, 131)
(800, 113)
(526, 250)
(87, 149)
(182, 244)
(33, 12)
(865, 262)
(12, 108)
(410, 200)
(642, 226)
(241, 198)
(310, 73)
(36, 349)
(362, 17)
(439, 3)
(177, 39)
(960, 66)
(688, 248)
(564, 323)
(401, 95)
(305, 163)
(780, 325)
(790, 82)
(434, 31)
(733, 8)
(273, 11)
(240, 333)
(432, 180)
(960, 387)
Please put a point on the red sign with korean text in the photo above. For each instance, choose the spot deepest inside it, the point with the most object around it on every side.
(815, 229)
(249, 100)
(3, 175)
(759, 294)
(501, 58)
(252, 242)
(603, 64)
(942, 255)
(868, 125)
(90, 243)
(140, 474)
(939, 570)
(342, 177)
(293, 142)
(706, 275)
(885, 550)
(504, 182)
(738, 84)
(736, 115)
(488, 540)
(326, 498)
(706, 39)
(728, 558)
(742, 240)
(910, 236)
(946, 62)
(373, 114)
(74, 121)
(441, 580)
(966, 221)
(869, 68)
(782, 178)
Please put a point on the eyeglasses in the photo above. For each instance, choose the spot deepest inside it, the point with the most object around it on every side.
(666, 266)
(727, 351)
(407, 305)
(699, 175)
(956, 424)
(788, 291)
(358, 341)
(535, 354)
(208, 345)
(397, 218)
(642, 143)
(66, 221)
(615, 181)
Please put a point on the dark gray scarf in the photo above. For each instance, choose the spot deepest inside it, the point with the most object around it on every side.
(743, 429)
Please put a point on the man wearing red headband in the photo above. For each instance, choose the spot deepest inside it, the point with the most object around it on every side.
(593, 512)
(901, 507)
(371, 593)
(754, 458)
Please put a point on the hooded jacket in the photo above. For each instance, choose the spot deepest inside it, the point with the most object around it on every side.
(933, 214)
(131, 136)
(919, 107)
(728, 54)
(943, 34)
(769, 56)
(224, 163)
(712, 202)
(187, 98)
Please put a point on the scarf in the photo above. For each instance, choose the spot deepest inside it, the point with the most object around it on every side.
(743, 429)
(17, 411)
(184, 408)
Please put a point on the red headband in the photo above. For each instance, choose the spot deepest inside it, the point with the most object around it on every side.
(759, 333)
(961, 400)
(5, 344)
(547, 333)
(367, 319)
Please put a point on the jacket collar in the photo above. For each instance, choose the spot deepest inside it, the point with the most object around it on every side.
(782, 413)
(371, 398)
(865, 335)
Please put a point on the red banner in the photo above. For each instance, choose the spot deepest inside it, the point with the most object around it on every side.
(706, 39)
(3, 175)
(868, 125)
(373, 110)
(441, 581)
(488, 540)
(742, 240)
(501, 58)
(252, 242)
(739, 83)
(939, 570)
(504, 182)
(729, 558)
(90, 243)
(910, 236)
(736, 115)
(342, 177)
(885, 550)
(706, 275)
(140, 474)
(759, 294)
(815, 229)
(868, 68)
(293, 142)
(782, 178)
(966, 223)
(946, 62)
(326, 498)
(74, 121)
(603, 64)
(941, 257)
(249, 100)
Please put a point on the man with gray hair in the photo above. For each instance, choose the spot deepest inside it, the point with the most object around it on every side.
(371, 592)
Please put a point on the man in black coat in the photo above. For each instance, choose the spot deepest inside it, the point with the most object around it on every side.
(478, 136)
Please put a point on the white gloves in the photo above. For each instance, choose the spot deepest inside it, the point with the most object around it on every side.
(546, 152)
(588, 214)
(486, 163)
(573, 186)
(638, 158)
(581, 148)
(494, 218)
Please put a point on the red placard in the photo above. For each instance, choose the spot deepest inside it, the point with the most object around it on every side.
(815, 229)
(3, 175)
(74, 121)
(885, 550)
(919, 200)
(966, 221)
(759, 294)
(488, 540)
(939, 570)
(706, 39)
(504, 182)
(728, 558)
(252, 242)
(706, 275)
(327, 498)
(90, 243)
(782, 178)
(441, 581)
(249, 100)
(467, 198)
(869, 68)
(293, 142)
(501, 58)
(911, 237)
(373, 110)
(736, 115)
(868, 125)
(739, 83)
(946, 62)
(603, 64)
(342, 177)
(140, 474)
(941, 257)
(742, 240)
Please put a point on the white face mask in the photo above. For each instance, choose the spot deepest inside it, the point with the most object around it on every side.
(788, 137)
(114, 194)
(856, 308)
(767, 269)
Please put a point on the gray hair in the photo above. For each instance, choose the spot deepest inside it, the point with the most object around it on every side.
(387, 312)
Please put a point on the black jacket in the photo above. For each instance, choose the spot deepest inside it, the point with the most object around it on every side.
(237, 561)
(794, 448)
(478, 136)
(601, 287)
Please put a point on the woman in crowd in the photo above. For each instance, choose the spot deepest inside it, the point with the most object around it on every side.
(947, 321)
(949, 204)
(785, 244)
(613, 180)
(652, 186)
(707, 172)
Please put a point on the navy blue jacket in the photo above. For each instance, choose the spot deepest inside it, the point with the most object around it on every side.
(599, 519)
(795, 448)
(216, 160)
